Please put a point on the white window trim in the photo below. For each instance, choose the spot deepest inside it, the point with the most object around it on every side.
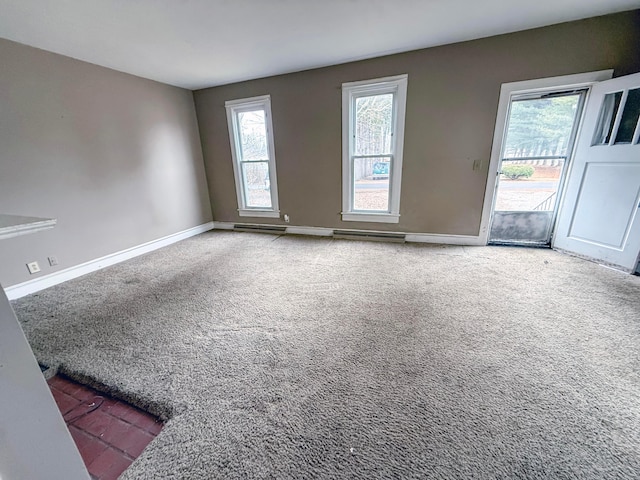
(398, 85)
(233, 108)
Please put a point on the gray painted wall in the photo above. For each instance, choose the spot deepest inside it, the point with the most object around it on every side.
(451, 110)
(115, 158)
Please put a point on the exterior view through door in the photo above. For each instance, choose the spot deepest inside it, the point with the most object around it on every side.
(540, 133)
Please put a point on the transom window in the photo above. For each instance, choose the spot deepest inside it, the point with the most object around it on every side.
(373, 114)
(254, 167)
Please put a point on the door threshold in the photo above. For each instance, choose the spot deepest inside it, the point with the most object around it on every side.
(498, 243)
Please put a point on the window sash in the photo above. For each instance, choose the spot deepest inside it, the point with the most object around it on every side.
(354, 129)
(353, 183)
(241, 137)
(245, 185)
(371, 92)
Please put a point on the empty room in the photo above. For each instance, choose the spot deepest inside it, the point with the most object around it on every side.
(277, 239)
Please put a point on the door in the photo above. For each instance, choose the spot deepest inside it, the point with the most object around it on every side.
(599, 215)
(540, 132)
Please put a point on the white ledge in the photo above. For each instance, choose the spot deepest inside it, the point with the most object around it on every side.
(259, 213)
(370, 217)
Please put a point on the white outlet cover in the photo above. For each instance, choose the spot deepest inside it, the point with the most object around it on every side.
(33, 267)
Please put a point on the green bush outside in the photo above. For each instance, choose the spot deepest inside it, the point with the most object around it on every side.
(516, 171)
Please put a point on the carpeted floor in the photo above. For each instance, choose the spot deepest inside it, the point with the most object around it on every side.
(292, 357)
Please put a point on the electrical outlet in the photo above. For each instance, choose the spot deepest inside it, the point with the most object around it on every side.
(477, 163)
(33, 267)
(287, 218)
(53, 260)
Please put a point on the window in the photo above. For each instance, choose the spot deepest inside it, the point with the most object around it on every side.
(372, 140)
(254, 166)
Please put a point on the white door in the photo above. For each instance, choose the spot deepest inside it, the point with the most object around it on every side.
(599, 216)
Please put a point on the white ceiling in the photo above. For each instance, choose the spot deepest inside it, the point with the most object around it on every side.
(201, 43)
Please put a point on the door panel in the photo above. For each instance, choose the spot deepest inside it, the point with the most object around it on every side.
(608, 195)
(599, 216)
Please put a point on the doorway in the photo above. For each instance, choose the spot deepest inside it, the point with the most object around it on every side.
(539, 136)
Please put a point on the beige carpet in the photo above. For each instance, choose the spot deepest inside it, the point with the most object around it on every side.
(292, 357)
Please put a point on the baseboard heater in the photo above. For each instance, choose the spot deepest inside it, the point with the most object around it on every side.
(373, 236)
(256, 228)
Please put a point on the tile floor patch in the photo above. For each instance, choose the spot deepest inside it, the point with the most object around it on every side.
(109, 434)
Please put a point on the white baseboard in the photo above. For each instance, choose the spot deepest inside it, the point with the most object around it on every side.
(40, 283)
(410, 237)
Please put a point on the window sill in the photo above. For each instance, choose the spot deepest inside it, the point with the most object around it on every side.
(371, 217)
(259, 213)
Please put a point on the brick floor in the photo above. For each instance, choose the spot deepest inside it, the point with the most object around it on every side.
(109, 434)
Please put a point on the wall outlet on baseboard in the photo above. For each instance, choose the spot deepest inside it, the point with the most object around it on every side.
(33, 267)
(287, 218)
(53, 260)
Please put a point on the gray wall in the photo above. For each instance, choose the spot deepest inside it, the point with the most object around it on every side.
(115, 158)
(451, 109)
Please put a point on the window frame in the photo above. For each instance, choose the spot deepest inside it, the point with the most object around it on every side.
(233, 108)
(397, 85)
